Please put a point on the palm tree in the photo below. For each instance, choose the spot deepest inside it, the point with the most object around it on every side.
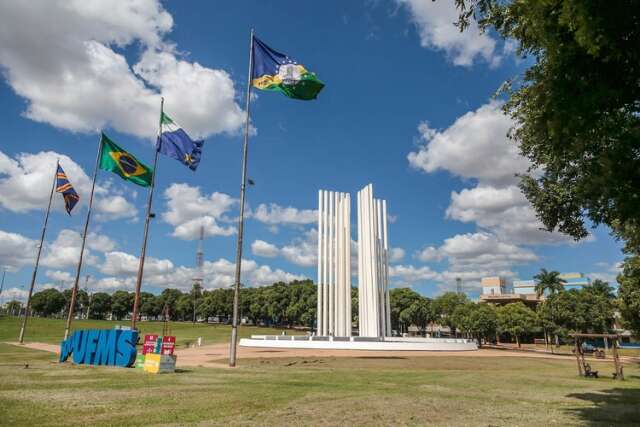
(603, 288)
(548, 281)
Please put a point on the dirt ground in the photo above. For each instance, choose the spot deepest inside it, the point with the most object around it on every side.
(216, 355)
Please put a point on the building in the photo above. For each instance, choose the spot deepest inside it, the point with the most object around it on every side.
(496, 291)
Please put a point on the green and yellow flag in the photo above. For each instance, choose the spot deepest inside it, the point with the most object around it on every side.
(118, 161)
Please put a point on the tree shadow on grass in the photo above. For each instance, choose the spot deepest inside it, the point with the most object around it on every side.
(616, 406)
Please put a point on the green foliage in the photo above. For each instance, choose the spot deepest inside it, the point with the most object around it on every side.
(577, 108)
(13, 307)
(100, 305)
(445, 305)
(400, 300)
(476, 320)
(48, 302)
(548, 281)
(516, 319)
(629, 294)
(121, 304)
(586, 310)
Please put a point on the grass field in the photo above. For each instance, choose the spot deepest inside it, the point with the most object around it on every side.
(372, 390)
(52, 330)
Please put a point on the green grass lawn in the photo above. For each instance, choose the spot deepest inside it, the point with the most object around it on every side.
(458, 391)
(52, 330)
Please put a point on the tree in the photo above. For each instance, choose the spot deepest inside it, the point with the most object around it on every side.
(169, 297)
(583, 311)
(100, 305)
(445, 305)
(548, 281)
(149, 305)
(47, 302)
(516, 319)
(576, 111)
(601, 287)
(121, 304)
(629, 294)
(420, 313)
(483, 322)
(13, 307)
(400, 299)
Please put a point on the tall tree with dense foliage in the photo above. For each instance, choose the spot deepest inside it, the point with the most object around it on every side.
(100, 305)
(629, 294)
(548, 281)
(445, 305)
(400, 299)
(48, 302)
(516, 319)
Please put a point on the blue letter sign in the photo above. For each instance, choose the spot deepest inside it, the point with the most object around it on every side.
(113, 347)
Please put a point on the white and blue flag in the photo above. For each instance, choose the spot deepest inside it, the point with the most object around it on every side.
(174, 142)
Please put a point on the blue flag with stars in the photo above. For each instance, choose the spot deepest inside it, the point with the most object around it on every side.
(174, 142)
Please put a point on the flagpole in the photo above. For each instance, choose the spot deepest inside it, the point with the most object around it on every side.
(143, 251)
(74, 292)
(35, 268)
(243, 186)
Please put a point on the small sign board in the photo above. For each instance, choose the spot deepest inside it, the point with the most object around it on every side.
(168, 344)
(149, 343)
(159, 363)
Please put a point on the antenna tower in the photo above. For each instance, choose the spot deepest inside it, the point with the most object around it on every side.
(198, 279)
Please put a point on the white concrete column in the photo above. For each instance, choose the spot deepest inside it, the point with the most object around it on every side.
(320, 269)
(386, 269)
(325, 250)
(347, 239)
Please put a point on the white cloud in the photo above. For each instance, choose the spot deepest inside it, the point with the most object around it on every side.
(406, 275)
(115, 207)
(396, 254)
(302, 251)
(64, 251)
(275, 214)
(25, 182)
(435, 23)
(60, 56)
(428, 253)
(59, 276)
(188, 210)
(476, 147)
(16, 250)
(14, 294)
(122, 264)
(265, 249)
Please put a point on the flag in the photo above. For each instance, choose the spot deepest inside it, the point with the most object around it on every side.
(277, 72)
(118, 161)
(68, 193)
(174, 142)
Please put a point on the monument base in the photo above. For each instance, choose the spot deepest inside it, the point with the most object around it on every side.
(360, 343)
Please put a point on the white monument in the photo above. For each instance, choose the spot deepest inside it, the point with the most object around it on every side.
(334, 264)
(334, 317)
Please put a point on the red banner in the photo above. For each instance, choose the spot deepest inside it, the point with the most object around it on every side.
(168, 345)
(149, 343)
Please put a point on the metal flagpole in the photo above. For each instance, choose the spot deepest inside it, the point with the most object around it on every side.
(35, 268)
(143, 251)
(245, 150)
(74, 292)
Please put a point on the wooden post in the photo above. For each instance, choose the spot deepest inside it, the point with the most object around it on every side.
(577, 352)
(616, 361)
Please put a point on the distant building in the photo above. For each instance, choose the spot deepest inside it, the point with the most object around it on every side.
(494, 285)
(496, 291)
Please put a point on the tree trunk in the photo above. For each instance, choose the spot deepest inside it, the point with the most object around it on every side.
(518, 341)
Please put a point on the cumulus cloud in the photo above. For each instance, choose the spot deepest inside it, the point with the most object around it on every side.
(189, 209)
(396, 254)
(63, 57)
(302, 251)
(275, 215)
(265, 249)
(16, 250)
(435, 23)
(476, 147)
(407, 275)
(25, 182)
(122, 264)
(114, 208)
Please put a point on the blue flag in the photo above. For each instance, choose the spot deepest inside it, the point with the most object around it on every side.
(68, 193)
(174, 142)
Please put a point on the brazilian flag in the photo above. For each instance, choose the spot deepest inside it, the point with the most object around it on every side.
(118, 161)
(277, 72)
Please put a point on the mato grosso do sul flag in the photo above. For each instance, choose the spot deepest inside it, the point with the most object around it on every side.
(118, 161)
(174, 142)
(277, 72)
(68, 192)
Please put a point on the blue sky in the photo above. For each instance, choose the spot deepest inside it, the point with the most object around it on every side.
(407, 106)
